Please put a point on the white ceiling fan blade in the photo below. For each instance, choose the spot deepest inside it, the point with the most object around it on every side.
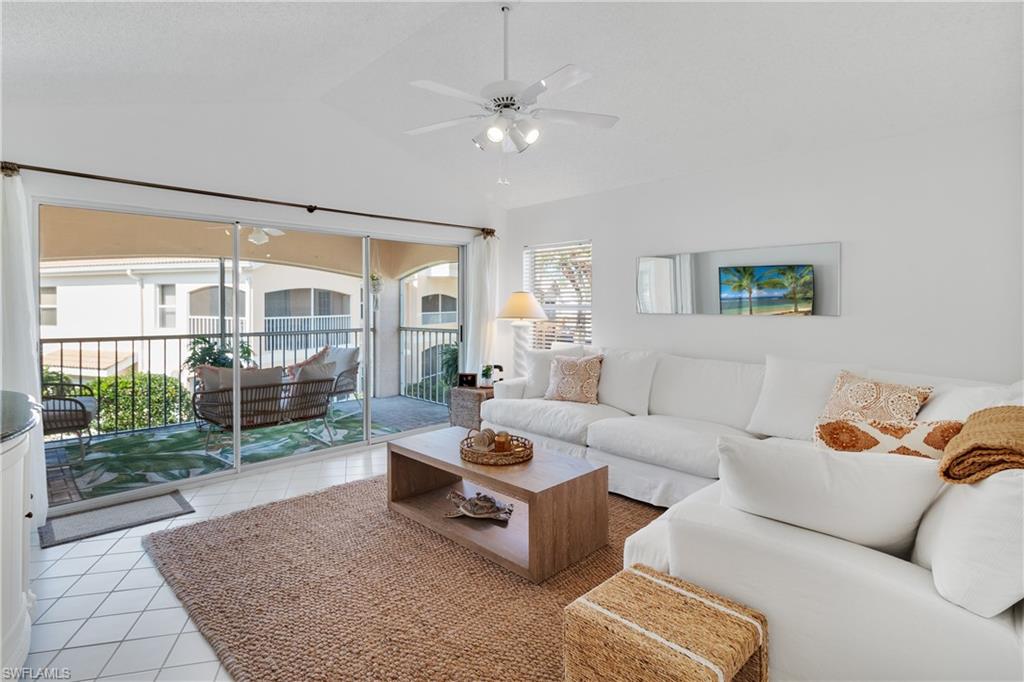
(575, 117)
(449, 91)
(444, 124)
(273, 231)
(563, 79)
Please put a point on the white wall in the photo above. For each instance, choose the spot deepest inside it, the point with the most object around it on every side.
(930, 226)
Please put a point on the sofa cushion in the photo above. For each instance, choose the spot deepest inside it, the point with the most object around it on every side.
(710, 390)
(959, 402)
(972, 539)
(793, 395)
(563, 420)
(649, 545)
(626, 380)
(686, 445)
(875, 500)
(837, 611)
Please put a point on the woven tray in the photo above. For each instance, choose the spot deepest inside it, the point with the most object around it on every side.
(521, 451)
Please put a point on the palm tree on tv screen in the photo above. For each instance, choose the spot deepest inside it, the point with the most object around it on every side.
(797, 280)
(742, 280)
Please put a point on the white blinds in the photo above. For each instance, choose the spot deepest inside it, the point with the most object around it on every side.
(559, 276)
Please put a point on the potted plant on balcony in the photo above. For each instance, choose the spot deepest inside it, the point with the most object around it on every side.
(205, 351)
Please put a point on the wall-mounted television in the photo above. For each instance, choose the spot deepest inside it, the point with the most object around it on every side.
(766, 290)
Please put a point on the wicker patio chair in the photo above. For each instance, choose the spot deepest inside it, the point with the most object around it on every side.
(346, 384)
(268, 405)
(69, 408)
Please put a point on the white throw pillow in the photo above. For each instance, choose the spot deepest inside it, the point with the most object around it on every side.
(343, 358)
(956, 403)
(538, 368)
(874, 500)
(972, 539)
(793, 395)
(626, 377)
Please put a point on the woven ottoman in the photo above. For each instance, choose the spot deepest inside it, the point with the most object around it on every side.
(644, 625)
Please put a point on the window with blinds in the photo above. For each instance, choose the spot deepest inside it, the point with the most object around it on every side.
(559, 276)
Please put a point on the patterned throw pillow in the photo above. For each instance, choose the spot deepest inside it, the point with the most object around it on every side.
(918, 439)
(859, 399)
(574, 379)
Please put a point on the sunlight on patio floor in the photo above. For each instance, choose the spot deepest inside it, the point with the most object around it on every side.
(128, 461)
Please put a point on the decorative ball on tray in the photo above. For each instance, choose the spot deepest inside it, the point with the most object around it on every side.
(501, 448)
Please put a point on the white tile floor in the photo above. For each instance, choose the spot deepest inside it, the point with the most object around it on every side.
(104, 613)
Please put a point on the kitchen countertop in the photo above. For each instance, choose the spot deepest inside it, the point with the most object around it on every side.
(18, 414)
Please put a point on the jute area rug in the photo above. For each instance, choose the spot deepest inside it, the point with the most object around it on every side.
(332, 586)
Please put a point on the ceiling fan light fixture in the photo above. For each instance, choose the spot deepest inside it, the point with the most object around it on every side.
(258, 236)
(480, 140)
(518, 139)
(528, 130)
(496, 131)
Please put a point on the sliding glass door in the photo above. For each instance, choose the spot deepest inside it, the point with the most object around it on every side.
(304, 322)
(415, 333)
(175, 348)
(131, 307)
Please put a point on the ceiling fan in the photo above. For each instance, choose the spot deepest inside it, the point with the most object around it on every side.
(258, 235)
(510, 107)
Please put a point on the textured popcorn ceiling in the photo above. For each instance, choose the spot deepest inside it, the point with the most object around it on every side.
(151, 89)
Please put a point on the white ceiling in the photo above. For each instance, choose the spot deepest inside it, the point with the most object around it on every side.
(308, 101)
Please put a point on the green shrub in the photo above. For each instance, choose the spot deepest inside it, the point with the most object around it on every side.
(157, 399)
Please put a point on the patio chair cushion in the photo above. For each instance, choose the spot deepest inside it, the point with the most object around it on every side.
(343, 358)
(300, 399)
(216, 378)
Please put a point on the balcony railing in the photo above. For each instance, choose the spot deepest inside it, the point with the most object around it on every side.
(142, 382)
(427, 357)
(209, 325)
(295, 330)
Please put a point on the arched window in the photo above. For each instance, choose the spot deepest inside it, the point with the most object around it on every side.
(305, 302)
(438, 309)
(291, 314)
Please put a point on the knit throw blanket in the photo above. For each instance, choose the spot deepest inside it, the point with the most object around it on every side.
(992, 440)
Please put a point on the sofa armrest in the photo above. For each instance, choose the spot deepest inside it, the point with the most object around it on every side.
(510, 388)
(837, 610)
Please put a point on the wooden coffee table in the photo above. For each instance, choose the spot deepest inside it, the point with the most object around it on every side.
(561, 502)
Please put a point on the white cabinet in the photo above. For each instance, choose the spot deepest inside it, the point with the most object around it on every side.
(15, 597)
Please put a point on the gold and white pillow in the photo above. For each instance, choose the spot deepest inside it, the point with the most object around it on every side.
(859, 399)
(574, 379)
(917, 439)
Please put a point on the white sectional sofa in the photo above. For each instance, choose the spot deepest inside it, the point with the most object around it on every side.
(661, 451)
(836, 610)
(661, 447)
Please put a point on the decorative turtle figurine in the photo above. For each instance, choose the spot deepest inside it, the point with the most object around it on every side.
(479, 506)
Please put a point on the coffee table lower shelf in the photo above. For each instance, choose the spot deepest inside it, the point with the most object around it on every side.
(560, 503)
(507, 544)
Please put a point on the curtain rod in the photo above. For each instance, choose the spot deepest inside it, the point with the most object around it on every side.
(10, 166)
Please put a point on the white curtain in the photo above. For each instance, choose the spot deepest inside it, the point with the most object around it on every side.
(19, 323)
(481, 302)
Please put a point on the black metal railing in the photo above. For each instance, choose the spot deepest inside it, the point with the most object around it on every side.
(428, 359)
(143, 382)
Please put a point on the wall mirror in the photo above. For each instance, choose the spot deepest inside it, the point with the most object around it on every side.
(800, 279)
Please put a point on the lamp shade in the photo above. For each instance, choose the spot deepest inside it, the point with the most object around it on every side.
(521, 305)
